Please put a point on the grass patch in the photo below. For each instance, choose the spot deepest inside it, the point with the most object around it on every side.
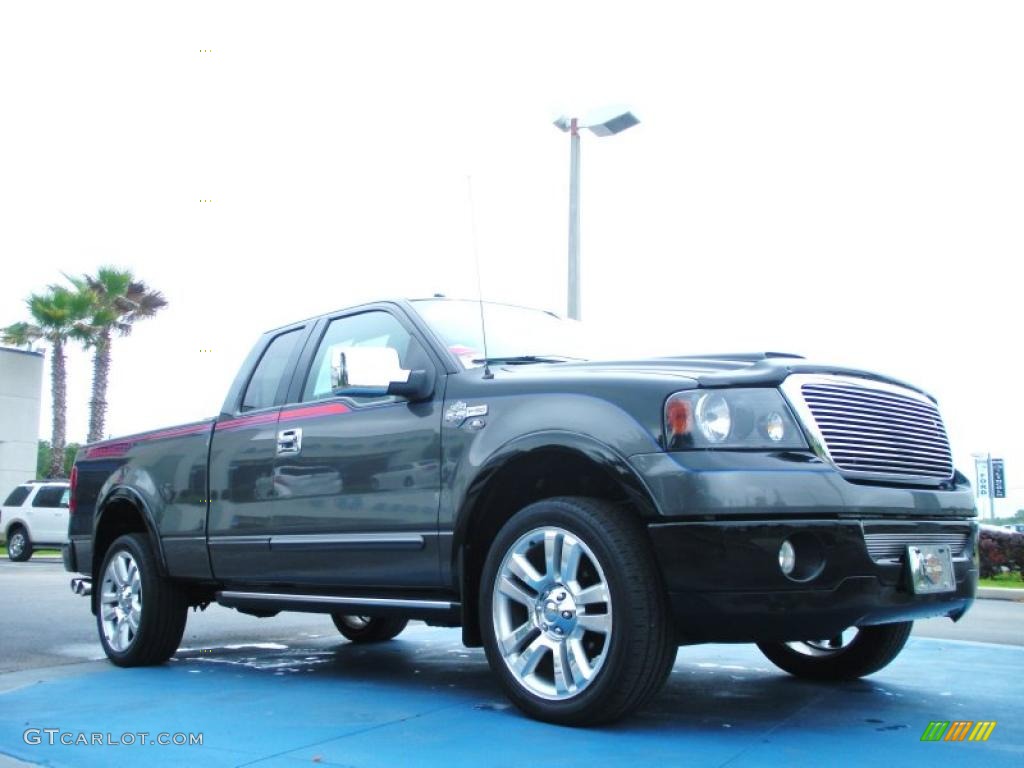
(1011, 580)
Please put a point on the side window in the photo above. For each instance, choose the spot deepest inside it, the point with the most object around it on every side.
(17, 496)
(263, 386)
(65, 499)
(49, 496)
(367, 329)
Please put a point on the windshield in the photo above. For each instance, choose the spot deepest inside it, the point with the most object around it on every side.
(512, 332)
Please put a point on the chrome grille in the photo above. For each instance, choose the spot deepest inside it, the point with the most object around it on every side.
(890, 546)
(875, 430)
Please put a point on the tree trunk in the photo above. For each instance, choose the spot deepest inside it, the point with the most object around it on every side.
(58, 384)
(100, 373)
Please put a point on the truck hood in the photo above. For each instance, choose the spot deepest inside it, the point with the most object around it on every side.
(758, 369)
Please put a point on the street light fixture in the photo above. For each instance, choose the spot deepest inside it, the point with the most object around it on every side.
(616, 123)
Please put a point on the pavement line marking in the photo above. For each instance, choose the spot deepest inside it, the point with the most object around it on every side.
(357, 732)
(755, 743)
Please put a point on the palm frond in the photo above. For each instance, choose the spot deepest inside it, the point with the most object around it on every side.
(21, 334)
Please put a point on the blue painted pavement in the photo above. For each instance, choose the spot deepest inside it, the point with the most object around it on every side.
(424, 700)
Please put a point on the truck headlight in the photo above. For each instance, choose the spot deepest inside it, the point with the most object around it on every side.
(731, 418)
(713, 417)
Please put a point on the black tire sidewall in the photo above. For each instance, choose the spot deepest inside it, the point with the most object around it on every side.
(378, 629)
(872, 650)
(553, 513)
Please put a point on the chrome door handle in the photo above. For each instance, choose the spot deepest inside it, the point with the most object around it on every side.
(289, 441)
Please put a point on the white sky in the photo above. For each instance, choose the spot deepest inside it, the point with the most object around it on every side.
(841, 180)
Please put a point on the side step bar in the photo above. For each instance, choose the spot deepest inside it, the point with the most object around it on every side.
(440, 611)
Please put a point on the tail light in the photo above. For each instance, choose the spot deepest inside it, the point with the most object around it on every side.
(73, 499)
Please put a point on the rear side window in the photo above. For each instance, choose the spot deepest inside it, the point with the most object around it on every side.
(50, 496)
(266, 379)
(17, 496)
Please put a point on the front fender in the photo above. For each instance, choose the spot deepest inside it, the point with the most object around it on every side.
(614, 464)
(514, 423)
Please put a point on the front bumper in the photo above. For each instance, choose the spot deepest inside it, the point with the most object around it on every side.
(719, 556)
(725, 585)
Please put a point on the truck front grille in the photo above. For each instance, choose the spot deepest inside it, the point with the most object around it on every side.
(874, 430)
(890, 546)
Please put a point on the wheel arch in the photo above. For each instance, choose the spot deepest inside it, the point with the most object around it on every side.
(14, 523)
(123, 511)
(528, 469)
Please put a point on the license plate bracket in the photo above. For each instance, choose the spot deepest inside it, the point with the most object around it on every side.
(931, 568)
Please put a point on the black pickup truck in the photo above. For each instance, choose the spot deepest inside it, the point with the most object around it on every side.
(578, 519)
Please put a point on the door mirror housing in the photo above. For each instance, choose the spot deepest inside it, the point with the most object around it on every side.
(375, 372)
(419, 386)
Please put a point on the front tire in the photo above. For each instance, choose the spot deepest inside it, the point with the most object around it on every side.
(19, 545)
(368, 629)
(573, 615)
(141, 615)
(866, 651)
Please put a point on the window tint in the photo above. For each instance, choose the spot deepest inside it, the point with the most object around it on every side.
(17, 496)
(49, 496)
(263, 386)
(367, 329)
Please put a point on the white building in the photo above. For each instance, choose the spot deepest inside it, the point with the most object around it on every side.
(21, 381)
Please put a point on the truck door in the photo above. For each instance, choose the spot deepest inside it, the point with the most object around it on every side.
(242, 454)
(357, 479)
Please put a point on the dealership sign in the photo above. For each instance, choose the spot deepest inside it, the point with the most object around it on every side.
(981, 472)
(998, 479)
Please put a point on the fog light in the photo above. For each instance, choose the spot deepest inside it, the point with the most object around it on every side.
(787, 557)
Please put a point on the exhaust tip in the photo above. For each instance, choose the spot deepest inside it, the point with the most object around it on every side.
(81, 587)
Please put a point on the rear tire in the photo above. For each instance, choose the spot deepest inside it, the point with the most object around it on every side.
(368, 629)
(574, 618)
(19, 545)
(869, 651)
(141, 615)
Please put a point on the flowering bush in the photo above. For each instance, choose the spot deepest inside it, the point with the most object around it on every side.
(1000, 551)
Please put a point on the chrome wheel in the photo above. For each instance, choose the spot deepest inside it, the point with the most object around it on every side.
(121, 601)
(552, 613)
(16, 545)
(828, 647)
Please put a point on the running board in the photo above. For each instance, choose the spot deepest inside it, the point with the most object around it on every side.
(439, 611)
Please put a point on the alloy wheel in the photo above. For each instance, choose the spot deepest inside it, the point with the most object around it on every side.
(121, 601)
(552, 613)
(17, 544)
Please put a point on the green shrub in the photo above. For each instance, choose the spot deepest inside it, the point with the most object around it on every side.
(999, 550)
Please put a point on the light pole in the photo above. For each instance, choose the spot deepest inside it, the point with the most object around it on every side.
(617, 123)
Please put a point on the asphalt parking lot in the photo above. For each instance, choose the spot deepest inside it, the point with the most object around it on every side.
(290, 691)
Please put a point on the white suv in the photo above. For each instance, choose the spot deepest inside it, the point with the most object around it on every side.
(34, 514)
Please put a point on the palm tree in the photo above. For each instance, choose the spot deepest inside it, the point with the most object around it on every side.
(118, 302)
(58, 316)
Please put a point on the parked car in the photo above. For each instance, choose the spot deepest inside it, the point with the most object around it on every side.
(35, 514)
(578, 519)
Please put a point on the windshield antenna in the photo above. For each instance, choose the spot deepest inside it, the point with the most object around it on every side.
(479, 288)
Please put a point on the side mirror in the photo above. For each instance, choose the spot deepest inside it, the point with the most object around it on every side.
(374, 372)
(419, 386)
